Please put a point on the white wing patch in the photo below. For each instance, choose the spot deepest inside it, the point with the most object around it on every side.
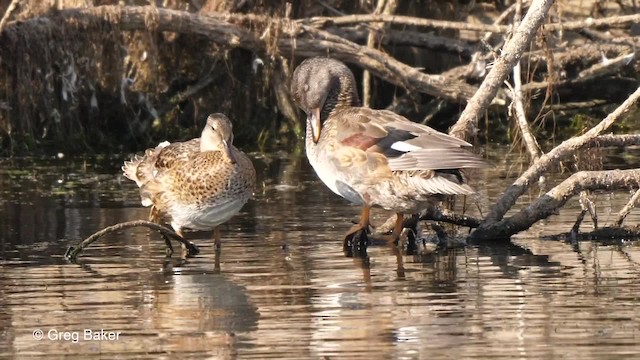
(404, 147)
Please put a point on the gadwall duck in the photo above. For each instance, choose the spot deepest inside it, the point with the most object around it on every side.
(197, 184)
(374, 157)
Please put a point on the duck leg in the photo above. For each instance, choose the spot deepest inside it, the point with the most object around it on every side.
(216, 237)
(154, 217)
(397, 230)
(360, 229)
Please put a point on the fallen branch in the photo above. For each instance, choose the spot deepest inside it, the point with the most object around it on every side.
(73, 251)
(611, 140)
(607, 66)
(431, 213)
(567, 148)
(441, 24)
(549, 203)
(381, 64)
(466, 126)
(407, 38)
(400, 20)
(594, 23)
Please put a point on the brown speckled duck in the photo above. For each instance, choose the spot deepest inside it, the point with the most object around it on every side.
(374, 157)
(197, 184)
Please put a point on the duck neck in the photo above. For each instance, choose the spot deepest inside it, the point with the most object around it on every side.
(342, 95)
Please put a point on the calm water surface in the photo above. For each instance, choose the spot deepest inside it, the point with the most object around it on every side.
(282, 286)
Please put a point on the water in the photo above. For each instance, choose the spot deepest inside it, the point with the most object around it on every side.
(282, 286)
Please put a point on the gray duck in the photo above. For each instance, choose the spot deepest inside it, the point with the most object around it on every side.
(374, 157)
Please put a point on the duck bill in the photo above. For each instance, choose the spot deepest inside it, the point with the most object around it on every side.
(314, 120)
(227, 150)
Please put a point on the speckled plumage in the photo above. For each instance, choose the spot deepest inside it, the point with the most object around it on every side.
(197, 184)
(374, 157)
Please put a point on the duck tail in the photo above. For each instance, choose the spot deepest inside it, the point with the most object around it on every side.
(130, 169)
(142, 168)
(440, 182)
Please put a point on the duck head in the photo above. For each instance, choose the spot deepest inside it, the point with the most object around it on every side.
(217, 135)
(320, 86)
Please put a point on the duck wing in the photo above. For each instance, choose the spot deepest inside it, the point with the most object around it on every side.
(405, 145)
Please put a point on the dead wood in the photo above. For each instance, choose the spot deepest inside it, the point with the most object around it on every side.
(400, 20)
(73, 251)
(393, 37)
(487, 229)
(549, 203)
(441, 24)
(238, 30)
(383, 7)
(384, 66)
(518, 101)
(627, 208)
(466, 126)
(603, 233)
(432, 213)
(7, 13)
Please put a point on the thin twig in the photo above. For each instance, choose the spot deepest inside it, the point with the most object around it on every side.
(627, 208)
(73, 251)
(442, 24)
(518, 106)
(400, 20)
(383, 7)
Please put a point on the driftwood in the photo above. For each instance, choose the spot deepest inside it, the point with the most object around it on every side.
(73, 251)
(549, 203)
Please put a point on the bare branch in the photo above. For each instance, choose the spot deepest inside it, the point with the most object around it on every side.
(627, 208)
(441, 24)
(400, 20)
(383, 7)
(549, 203)
(567, 148)
(466, 126)
(379, 63)
(72, 252)
(518, 106)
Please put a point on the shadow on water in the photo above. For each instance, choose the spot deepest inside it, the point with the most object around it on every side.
(282, 287)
